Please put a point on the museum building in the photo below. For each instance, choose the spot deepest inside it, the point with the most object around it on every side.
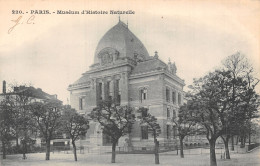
(123, 70)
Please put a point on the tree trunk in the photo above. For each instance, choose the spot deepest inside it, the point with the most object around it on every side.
(225, 140)
(113, 159)
(48, 149)
(17, 140)
(156, 149)
(213, 161)
(237, 140)
(232, 143)
(24, 149)
(4, 149)
(74, 150)
(181, 147)
(242, 145)
(244, 141)
(249, 137)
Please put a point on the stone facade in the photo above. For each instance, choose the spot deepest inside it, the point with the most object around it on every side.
(123, 70)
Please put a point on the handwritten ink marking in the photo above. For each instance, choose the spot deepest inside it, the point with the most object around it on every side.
(16, 23)
(30, 20)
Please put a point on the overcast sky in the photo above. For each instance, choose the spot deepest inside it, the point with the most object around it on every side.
(54, 51)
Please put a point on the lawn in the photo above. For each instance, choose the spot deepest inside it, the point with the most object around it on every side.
(169, 158)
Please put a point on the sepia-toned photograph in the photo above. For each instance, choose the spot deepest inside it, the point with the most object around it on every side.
(141, 83)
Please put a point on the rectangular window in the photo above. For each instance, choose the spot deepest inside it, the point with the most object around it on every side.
(173, 113)
(144, 131)
(118, 85)
(80, 103)
(168, 131)
(117, 95)
(143, 94)
(174, 131)
(174, 97)
(108, 88)
(179, 98)
(100, 91)
(167, 95)
(108, 91)
(168, 112)
(118, 98)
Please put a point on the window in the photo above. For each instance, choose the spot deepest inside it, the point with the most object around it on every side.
(108, 88)
(179, 98)
(118, 98)
(168, 131)
(144, 131)
(117, 91)
(174, 97)
(109, 91)
(80, 103)
(143, 94)
(174, 131)
(173, 113)
(167, 95)
(168, 112)
(100, 91)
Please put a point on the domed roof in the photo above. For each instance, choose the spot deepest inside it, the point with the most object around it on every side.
(124, 41)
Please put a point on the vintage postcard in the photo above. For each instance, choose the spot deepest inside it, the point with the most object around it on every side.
(140, 54)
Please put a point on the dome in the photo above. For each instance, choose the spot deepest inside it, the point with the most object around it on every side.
(120, 39)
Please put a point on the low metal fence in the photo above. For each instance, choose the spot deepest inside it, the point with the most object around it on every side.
(252, 146)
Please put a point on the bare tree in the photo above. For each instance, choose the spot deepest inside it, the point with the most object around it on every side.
(243, 103)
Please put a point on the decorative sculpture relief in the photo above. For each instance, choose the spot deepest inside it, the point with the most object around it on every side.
(108, 55)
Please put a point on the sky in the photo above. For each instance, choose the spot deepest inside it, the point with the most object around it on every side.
(51, 51)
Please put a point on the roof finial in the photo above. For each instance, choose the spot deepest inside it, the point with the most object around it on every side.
(118, 17)
(156, 55)
(169, 60)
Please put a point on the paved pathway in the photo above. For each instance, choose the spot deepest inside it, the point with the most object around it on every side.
(61, 159)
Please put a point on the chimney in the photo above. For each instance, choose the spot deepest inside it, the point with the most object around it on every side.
(4, 86)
